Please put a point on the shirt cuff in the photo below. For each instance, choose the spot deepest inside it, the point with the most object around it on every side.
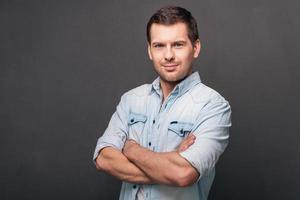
(186, 155)
(112, 141)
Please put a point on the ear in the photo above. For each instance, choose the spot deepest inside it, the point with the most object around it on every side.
(149, 51)
(197, 48)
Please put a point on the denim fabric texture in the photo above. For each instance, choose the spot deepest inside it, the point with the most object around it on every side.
(191, 107)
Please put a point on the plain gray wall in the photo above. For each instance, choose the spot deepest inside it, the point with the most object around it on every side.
(65, 64)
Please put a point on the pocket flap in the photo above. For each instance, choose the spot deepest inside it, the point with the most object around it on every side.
(180, 128)
(134, 118)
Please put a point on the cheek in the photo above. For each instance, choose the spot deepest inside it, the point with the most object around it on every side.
(185, 57)
(156, 57)
(155, 61)
(189, 56)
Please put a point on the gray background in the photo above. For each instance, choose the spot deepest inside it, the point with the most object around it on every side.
(65, 64)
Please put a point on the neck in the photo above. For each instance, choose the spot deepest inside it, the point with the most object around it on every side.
(167, 88)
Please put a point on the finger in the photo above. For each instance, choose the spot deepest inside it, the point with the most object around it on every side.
(186, 142)
(190, 139)
(189, 136)
(191, 142)
(192, 136)
(183, 148)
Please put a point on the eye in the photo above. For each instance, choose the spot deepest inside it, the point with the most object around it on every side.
(158, 45)
(178, 45)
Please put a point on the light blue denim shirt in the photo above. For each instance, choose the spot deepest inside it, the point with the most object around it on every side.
(191, 107)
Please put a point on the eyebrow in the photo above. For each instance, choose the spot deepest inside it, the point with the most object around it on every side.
(154, 43)
(180, 41)
(177, 41)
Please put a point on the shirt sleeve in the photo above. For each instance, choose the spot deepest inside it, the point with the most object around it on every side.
(212, 134)
(116, 133)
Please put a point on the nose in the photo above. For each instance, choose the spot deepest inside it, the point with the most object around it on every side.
(169, 54)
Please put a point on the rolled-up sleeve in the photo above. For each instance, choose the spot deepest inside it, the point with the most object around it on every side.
(212, 134)
(116, 133)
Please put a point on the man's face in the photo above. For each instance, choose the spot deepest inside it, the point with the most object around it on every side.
(171, 51)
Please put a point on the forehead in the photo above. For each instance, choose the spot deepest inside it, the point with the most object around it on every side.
(168, 33)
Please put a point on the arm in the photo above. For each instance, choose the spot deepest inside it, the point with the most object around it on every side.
(164, 168)
(113, 162)
(212, 132)
(184, 168)
(108, 155)
(116, 164)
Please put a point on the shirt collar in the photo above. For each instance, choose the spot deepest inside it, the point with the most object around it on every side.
(182, 87)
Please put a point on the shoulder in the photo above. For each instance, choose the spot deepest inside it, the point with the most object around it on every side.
(201, 93)
(136, 98)
(138, 92)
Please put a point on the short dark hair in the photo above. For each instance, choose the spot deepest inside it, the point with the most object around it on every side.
(172, 14)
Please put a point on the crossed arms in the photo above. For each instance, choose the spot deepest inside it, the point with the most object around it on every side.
(137, 164)
(133, 163)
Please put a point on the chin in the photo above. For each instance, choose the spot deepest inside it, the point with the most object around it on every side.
(171, 76)
(171, 79)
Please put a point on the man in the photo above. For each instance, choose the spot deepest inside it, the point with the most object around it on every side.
(165, 138)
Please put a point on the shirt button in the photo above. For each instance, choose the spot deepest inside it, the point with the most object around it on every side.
(154, 121)
(134, 186)
(132, 120)
(149, 143)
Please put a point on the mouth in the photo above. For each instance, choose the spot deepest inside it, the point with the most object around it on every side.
(170, 67)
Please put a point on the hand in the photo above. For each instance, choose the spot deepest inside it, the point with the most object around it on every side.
(186, 143)
(129, 145)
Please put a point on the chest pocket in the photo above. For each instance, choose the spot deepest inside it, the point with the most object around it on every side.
(136, 124)
(180, 128)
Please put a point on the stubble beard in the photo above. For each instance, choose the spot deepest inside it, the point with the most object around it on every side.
(172, 79)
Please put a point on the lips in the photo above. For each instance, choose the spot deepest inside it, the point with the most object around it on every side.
(170, 67)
